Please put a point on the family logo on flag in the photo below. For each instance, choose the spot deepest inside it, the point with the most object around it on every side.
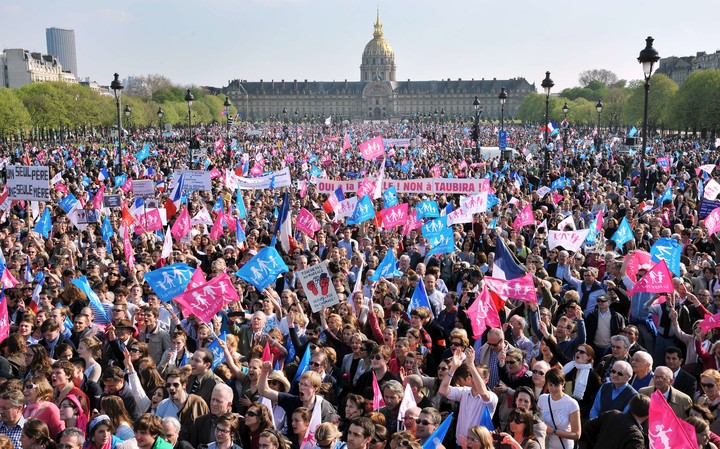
(169, 281)
(670, 251)
(434, 228)
(482, 313)
(396, 215)
(390, 197)
(364, 211)
(522, 288)
(206, 300)
(427, 209)
(623, 234)
(263, 268)
(387, 268)
(372, 149)
(657, 280)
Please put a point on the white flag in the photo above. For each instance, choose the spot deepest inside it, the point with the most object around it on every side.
(167, 244)
(571, 240)
(407, 403)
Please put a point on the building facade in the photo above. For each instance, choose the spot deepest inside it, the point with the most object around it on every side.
(679, 68)
(19, 67)
(377, 96)
(61, 44)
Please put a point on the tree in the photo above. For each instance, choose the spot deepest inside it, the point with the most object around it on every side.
(614, 103)
(660, 100)
(13, 114)
(603, 76)
(697, 103)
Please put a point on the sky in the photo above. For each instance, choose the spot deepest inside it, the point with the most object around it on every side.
(211, 42)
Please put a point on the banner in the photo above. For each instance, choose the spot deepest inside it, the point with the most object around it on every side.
(475, 204)
(316, 282)
(569, 240)
(427, 209)
(426, 186)
(280, 178)
(522, 288)
(712, 188)
(169, 281)
(712, 222)
(459, 216)
(205, 301)
(192, 180)
(30, 183)
(372, 149)
(143, 188)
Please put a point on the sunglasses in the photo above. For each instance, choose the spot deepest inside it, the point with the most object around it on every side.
(378, 357)
(619, 373)
(29, 386)
(457, 344)
(518, 420)
(704, 385)
(134, 350)
(316, 364)
(511, 362)
(325, 446)
(580, 351)
(538, 372)
(424, 422)
(252, 414)
(495, 344)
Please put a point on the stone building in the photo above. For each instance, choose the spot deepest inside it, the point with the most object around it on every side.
(377, 96)
(679, 68)
(19, 67)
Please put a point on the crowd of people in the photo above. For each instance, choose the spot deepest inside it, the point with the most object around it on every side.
(575, 368)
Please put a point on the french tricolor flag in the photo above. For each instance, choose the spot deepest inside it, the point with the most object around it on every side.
(333, 200)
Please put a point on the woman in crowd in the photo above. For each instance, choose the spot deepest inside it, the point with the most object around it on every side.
(90, 349)
(100, 434)
(560, 412)
(38, 361)
(257, 420)
(585, 382)
(328, 436)
(72, 413)
(299, 422)
(710, 398)
(35, 435)
(521, 429)
(14, 350)
(38, 394)
(114, 408)
(271, 439)
(478, 437)
(158, 395)
(354, 408)
(138, 350)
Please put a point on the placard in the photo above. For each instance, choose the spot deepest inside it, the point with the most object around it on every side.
(30, 183)
(192, 180)
(707, 206)
(111, 201)
(318, 286)
(144, 188)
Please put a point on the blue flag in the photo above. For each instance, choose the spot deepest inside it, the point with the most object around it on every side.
(633, 131)
(442, 243)
(44, 224)
(666, 196)
(623, 234)
(219, 205)
(387, 268)
(217, 350)
(435, 227)
(669, 250)
(303, 366)
(390, 197)
(504, 265)
(240, 204)
(85, 181)
(363, 212)
(486, 419)
(107, 229)
(263, 268)
(120, 180)
(290, 351)
(492, 200)
(435, 440)
(169, 281)
(101, 316)
(144, 153)
(419, 298)
(559, 183)
(427, 209)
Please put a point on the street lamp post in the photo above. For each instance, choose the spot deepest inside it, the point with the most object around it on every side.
(565, 110)
(117, 86)
(478, 111)
(160, 114)
(598, 140)
(297, 113)
(503, 98)
(229, 122)
(128, 113)
(547, 84)
(189, 100)
(648, 57)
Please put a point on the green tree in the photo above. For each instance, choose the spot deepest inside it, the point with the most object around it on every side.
(697, 103)
(660, 100)
(614, 103)
(13, 114)
(603, 76)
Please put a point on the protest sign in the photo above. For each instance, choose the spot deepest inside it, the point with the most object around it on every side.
(318, 287)
(143, 188)
(192, 180)
(111, 201)
(280, 178)
(28, 182)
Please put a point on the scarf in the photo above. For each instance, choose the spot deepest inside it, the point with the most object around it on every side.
(581, 377)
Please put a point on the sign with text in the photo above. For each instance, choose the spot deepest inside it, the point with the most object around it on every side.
(318, 286)
(192, 180)
(707, 206)
(421, 185)
(144, 188)
(111, 201)
(28, 182)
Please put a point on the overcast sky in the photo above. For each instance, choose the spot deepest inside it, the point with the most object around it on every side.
(210, 42)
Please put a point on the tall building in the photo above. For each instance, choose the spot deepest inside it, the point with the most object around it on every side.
(377, 96)
(61, 44)
(19, 67)
(680, 68)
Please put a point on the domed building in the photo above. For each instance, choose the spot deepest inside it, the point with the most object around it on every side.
(377, 96)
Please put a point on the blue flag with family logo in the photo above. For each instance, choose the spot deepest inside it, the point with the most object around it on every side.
(85, 181)
(435, 227)
(669, 250)
(427, 209)
(169, 281)
(387, 268)
(120, 180)
(219, 205)
(217, 350)
(240, 204)
(632, 132)
(101, 315)
(666, 196)
(559, 183)
(623, 234)
(363, 212)
(442, 243)
(419, 298)
(107, 229)
(144, 153)
(390, 197)
(44, 224)
(263, 268)
(436, 438)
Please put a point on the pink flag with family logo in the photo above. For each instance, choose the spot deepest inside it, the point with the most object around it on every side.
(182, 225)
(378, 400)
(8, 280)
(394, 216)
(197, 279)
(372, 149)
(346, 145)
(307, 223)
(148, 221)
(365, 188)
(482, 313)
(4, 318)
(638, 260)
(665, 430)
(524, 218)
(127, 186)
(599, 222)
(556, 198)
(60, 187)
(522, 288)
(205, 301)
(710, 322)
(128, 249)
(98, 199)
(215, 173)
(712, 221)
(657, 280)
(411, 223)
(217, 228)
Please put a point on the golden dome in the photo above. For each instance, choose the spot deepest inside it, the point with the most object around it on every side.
(378, 46)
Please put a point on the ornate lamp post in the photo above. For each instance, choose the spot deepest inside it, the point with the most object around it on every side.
(478, 111)
(598, 140)
(160, 114)
(128, 113)
(547, 84)
(565, 110)
(503, 98)
(189, 100)
(117, 87)
(648, 57)
(229, 121)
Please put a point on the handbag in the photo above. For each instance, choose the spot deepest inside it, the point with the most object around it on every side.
(552, 417)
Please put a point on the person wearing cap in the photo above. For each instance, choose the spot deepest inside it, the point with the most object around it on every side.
(601, 324)
(100, 434)
(119, 337)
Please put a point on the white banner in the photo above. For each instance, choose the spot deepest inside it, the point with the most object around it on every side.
(571, 240)
(318, 286)
(143, 188)
(711, 190)
(28, 182)
(476, 203)
(459, 215)
(345, 208)
(422, 185)
(192, 180)
(281, 177)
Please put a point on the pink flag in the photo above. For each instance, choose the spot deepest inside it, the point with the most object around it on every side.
(556, 198)
(712, 221)
(482, 313)
(598, 228)
(710, 322)
(394, 216)
(484, 184)
(665, 429)
(522, 288)
(127, 186)
(524, 218)
(8, 280)
(638, 260)
(98, 199)
(215, 173)
(4, 319)
(303, 189)
(365, 187)
(657, 280)
(371, 149)
(411, 223)
(346, 145)
(197, 279)
(128, 249)
(217, 229)
(307, 223)
(182, 225)
(60, 187)
(205, 301)
(378, 400)
(149, 221)
(462, 165)
(267, 355)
